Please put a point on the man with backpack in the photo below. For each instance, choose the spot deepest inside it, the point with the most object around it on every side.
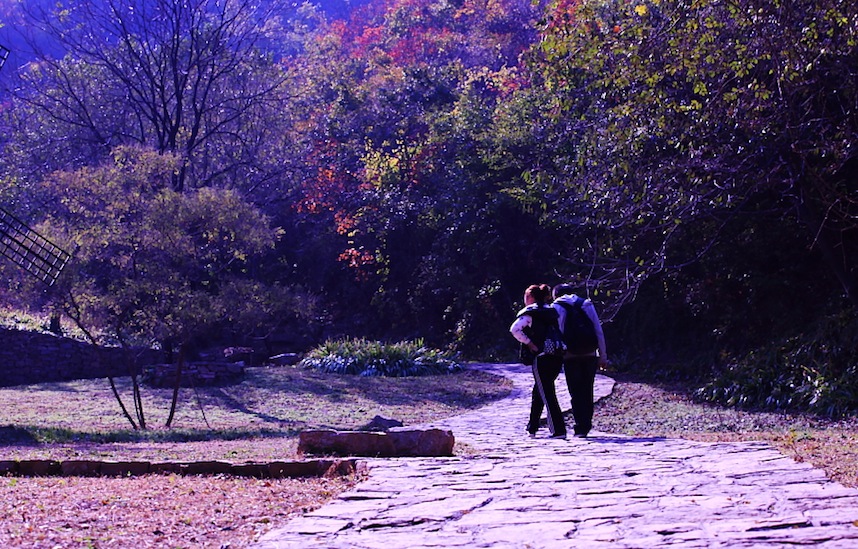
(585, 352)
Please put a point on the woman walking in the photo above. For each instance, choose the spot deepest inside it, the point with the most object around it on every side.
(530, 328)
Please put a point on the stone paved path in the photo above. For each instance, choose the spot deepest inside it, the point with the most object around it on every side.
(603, 491)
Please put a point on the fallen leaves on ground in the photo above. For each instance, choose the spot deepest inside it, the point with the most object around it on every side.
(152, 511)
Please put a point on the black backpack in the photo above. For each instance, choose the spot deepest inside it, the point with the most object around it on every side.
(544, 332)
(579, 334)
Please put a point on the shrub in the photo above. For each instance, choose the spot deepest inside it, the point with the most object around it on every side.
(373, 358)
(816, 371)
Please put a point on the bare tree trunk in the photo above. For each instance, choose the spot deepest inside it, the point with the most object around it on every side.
(73, 312)
(179, 365)
(121, 404)
(135, 384)
(138, 401)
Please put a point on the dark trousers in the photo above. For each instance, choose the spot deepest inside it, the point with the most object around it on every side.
(545, 372)
(580, 374)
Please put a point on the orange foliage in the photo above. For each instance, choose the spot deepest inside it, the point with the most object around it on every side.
(361, 261)
(320, 192)
(421, 44)
(411, 31)
(371, 36)
(345, 221)
(357, 258)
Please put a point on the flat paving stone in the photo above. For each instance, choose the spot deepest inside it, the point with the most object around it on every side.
(603, 491)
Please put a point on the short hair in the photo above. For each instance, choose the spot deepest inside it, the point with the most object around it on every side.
(563, 289)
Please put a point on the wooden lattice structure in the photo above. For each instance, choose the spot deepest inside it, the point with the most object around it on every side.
(30, 250)
(22, 245)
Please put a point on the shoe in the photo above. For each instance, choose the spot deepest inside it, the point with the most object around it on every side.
(560, 436)
(531, 435)
(580, 435)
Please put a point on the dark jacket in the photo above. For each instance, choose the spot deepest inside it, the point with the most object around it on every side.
(541, 318)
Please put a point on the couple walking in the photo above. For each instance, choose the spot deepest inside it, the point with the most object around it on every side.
(546, 309)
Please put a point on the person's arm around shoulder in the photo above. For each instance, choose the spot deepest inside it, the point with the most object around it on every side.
(590, 309)
(518, 332)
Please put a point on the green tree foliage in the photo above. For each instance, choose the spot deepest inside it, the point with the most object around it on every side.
(709, 148)
(152, 264)
(156, 265)
(685, 113)
(690, 162)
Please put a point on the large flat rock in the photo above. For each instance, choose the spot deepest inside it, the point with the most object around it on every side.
(399, 443)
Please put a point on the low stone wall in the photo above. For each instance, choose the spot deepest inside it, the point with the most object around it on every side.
(29, 357)
(194, 374)
(91, 468)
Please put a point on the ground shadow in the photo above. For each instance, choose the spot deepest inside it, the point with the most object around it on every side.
(30, 435)
(618, 439)
(238, 405)
(17, 436)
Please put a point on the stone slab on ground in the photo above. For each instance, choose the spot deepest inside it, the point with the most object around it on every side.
(602, 491)
(394, 443)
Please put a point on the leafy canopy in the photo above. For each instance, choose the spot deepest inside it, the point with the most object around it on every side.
(151, 262)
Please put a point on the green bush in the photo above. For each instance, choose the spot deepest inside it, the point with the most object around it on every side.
(816, 371)
(373, 358)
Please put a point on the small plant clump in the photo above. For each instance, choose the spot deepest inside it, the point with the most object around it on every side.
(373, 358)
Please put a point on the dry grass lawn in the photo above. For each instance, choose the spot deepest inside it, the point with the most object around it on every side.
(256, 420)
(638, 408)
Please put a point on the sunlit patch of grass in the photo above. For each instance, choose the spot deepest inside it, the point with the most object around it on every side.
(648, 410)
(260, 416)
(16, 319)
